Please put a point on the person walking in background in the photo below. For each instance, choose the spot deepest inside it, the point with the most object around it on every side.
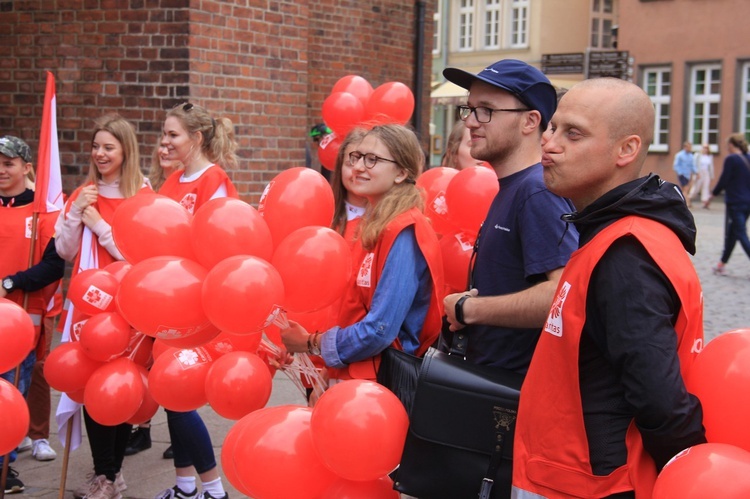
(458, 149)
(395, 299)
(684, 166)
(84, 237)
(604, 405)
(205, 146)
(36, 283)
(704, 165)
(735, 180)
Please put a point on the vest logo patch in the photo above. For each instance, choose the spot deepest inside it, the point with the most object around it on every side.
(97, 297)
(364, 276)
(28, 227)
(188, 202)
(554, 324)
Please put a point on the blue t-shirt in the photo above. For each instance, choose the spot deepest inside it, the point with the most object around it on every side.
(521, 239)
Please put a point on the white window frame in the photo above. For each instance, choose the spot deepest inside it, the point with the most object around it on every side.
(437, 26)
(519, 23)
(466, 29)
(599, 37)
(492, 18)
(745, 99)
(489, 24)
(662, 102)
(708, 98)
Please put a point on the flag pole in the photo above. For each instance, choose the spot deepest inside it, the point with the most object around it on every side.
(66, 457)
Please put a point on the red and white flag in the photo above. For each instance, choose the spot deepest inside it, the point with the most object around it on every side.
(48, 196)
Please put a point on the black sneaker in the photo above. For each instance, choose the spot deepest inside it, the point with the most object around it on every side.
(140, 440)
(12, 484)
(206, 495)
(168, 454)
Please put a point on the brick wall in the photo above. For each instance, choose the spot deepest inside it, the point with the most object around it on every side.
(266, 68)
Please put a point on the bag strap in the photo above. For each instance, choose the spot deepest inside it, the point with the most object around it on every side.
(745, 160)
(504, 419)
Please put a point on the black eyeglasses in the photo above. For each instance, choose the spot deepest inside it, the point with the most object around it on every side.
(369, 159)
(484, 114)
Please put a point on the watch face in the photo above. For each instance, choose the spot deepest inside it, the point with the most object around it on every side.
(7, 284)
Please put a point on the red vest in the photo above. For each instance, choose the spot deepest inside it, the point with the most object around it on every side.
(361, 290)
(15, 245)
(193, 195)
(551, 458)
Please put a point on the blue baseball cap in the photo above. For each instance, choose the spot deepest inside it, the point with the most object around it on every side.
(526, 82)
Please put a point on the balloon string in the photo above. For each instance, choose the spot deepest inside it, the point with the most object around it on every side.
(281, 319)
(138, 337)
(301, 366)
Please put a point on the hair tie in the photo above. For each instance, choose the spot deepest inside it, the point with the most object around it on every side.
(410, 181)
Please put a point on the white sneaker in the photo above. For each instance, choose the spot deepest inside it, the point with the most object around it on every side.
(25, 445)
(42, 451)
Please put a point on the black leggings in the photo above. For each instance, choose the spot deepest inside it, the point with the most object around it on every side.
(108, 445)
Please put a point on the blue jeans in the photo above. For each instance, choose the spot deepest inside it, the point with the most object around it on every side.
(735, 229)
(191, 443)
(23, 386)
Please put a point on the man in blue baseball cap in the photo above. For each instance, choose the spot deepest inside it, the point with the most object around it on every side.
(523, 244)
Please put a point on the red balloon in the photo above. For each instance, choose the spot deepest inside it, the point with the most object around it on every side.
(391, 102)
(148, 407)
(342, 111)
(177, 380)
(275, 457)
(318, 320)
(225, 227)
(706, 470)
(105, 336)
(382, 488)
(469, 196)
(114, 392)
(93, 291)
(720, 378)
(456, 250)
(434, 183)
(194, 340)
(14, 417)
(76, 396)
(139, 349)
(315, 265)
(161, 297)
(242, 293)
(148, 225)
(17, 335)
(355, 85)
(118, 269)
(228, 450)
(296, 198)
(160, 347)
(237, 384)
(226, 343)
(359, 428)
(328, 150)
(67, 368)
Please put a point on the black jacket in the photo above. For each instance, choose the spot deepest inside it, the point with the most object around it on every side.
(628, 353)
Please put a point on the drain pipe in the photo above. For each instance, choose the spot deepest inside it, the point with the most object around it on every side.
(419, 66)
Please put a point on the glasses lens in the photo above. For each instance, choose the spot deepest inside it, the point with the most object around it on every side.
(464, 112)
(353, 158)
(370, 160)
(483, 114)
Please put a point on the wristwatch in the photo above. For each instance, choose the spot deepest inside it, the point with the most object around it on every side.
(459, 309)
(8, 285)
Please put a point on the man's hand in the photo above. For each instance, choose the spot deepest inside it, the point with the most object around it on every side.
(295, 337)
(449, 303)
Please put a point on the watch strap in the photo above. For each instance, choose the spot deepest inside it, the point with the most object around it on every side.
(459, 309)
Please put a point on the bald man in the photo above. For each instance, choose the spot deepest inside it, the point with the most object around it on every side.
(604, 405)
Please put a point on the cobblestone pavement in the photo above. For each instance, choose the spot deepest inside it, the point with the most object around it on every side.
(726, 308)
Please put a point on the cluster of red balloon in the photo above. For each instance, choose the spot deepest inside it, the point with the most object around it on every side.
(204, 287)
(353, 102)
(342, 448)
(720, 378)
(17, 338)
(456, 202)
